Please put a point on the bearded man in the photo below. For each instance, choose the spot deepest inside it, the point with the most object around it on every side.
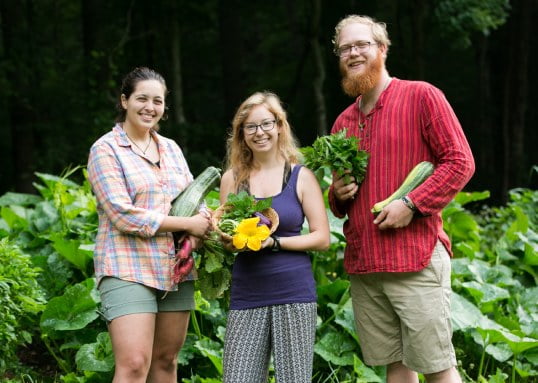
(398, 261)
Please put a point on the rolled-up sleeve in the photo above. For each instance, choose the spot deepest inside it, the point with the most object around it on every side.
(110, 187)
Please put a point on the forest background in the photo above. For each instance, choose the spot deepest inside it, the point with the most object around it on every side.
(62, 61)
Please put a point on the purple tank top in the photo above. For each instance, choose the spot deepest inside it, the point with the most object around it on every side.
(264, 278)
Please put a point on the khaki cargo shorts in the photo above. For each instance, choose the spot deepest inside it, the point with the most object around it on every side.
(406, 316)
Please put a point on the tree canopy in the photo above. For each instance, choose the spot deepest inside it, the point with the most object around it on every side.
(62, 62)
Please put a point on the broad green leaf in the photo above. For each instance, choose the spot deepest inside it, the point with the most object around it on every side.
(332, 292)
(529, 299)
(462, 225)
(531, 254)
(486, 292)
(45, 216)
(499, 377)
(364, 373)
(212, 350)
(20, 199)
(465, 315)
(336, 348)
(15, 217)
(345, 318)
(51, 180)
(464, 198)
(96, 356)
(71, 311)
(213, 262)
(516, 343)
(71, 250)
(188, 351)
(520, 225)
(499, 351)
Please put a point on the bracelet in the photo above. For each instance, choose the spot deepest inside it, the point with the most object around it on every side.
(407, 202)
(276, 243)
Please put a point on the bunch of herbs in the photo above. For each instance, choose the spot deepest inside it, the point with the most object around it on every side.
(339, 153)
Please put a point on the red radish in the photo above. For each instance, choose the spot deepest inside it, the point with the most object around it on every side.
(185, 250)
(184, 261)
(182, 269)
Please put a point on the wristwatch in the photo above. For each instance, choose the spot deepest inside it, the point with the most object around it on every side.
(407, 202)
(276, 243)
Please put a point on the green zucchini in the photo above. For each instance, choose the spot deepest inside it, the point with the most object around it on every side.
(417, 176)
(188, 202)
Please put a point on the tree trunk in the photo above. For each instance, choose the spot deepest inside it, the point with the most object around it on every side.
(177, 81)
(16, 29)
(319, 76)
(515, 95)
(484, 154)
(231, 53)
(418, 17)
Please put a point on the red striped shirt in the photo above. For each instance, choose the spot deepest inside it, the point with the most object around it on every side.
(411, 122)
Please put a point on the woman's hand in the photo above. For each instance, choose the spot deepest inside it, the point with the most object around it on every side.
(268, 243)
(199, 225)
(196, 242)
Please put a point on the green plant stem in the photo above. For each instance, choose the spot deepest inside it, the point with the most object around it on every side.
(514, 368)
(482, 357)
(195, 325)
(62, 363)
(342, 301)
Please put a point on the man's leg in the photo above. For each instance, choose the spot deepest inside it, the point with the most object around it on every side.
(450, 375)
(398, 373)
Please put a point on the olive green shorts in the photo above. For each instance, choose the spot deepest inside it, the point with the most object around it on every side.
(406, 316)
(119, 297)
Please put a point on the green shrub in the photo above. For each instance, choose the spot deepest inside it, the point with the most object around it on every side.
(21, 297)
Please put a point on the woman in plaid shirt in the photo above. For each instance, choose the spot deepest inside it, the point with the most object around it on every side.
(135, 174)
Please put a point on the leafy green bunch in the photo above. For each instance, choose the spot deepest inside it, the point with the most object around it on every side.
(240, 206)
(339, 153)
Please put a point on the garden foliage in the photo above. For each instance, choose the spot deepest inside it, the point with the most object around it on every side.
(50, 302)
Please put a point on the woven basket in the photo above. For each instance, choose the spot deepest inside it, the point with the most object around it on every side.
(217, 214)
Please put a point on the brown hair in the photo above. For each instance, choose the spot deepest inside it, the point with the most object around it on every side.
(239, 155)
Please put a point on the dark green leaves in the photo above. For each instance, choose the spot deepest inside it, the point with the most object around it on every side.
(244, 205)
(339, 153)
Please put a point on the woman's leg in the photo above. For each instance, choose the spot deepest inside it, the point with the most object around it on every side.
(247, 348)
(132, 340)
(170, 333)
(294, 333)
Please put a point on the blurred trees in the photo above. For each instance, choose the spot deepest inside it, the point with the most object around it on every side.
(61, 63)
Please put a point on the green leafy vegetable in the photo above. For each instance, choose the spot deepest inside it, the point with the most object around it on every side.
(238, 207)
(244, 205)
(339, 153)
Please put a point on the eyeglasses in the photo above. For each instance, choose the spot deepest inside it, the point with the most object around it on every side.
(266, 126)
(361, 46)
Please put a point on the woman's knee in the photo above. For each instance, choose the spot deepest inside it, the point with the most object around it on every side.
(165, 359)
(134, 363)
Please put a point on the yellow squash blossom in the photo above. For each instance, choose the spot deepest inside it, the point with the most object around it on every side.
(250, 234)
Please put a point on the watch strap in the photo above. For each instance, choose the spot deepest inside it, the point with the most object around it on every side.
(407, 202)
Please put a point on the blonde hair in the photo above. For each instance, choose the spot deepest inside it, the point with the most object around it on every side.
(239, 156)
(379, 29)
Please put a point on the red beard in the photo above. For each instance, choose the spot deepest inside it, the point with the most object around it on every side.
(360, 83)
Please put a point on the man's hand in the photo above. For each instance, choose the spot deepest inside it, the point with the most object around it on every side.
(394, 216)
(344, 192)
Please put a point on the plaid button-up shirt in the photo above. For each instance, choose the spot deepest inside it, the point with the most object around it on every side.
(133, 197)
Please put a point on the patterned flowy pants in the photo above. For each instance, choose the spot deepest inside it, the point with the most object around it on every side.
(288, 330)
